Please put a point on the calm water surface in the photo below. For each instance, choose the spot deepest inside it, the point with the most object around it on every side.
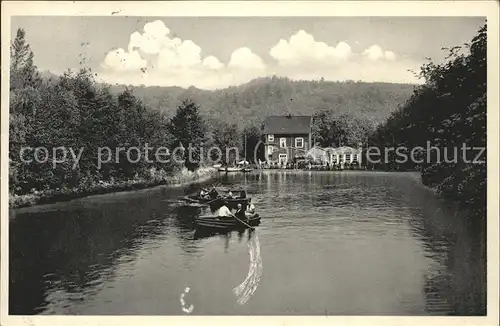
(343, 243)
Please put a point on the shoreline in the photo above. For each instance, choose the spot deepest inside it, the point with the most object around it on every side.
(53, 196)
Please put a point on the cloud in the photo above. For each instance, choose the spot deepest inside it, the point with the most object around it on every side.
(244, 58)
(156, 57)
(375, 53)
(119, 60)
(304, 58)
(303, 49)
(389, 55)
(173, 61)
(212, 62)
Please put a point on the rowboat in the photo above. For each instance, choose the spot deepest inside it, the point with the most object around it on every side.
(195, 198)
(231, 203)
(230, 169)
(226, 223)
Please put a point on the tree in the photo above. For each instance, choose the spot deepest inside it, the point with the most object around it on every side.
(254, 147)
(188, 129)
(330, 129)
(23, 72)
(227, 138)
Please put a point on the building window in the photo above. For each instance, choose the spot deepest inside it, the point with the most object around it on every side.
(269, 150)
(270, 137)
(299, 142)
(282, 142)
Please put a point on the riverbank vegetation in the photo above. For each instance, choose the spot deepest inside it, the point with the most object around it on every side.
(184, 176)
(446, 112)
(75, 113)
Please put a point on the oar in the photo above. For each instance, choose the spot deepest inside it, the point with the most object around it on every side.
(251, 227)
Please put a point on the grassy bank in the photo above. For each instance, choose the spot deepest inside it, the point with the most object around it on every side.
(183, 177)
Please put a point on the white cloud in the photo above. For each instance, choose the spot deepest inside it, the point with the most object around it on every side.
(389, 55)
(186, 55)
(212, 62)
(244, 58)
(303, 49)
(171, 61)
(153, 39)
(119, 60)
(375, 53)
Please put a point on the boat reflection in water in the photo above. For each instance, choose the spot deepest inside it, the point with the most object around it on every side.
(246, 289)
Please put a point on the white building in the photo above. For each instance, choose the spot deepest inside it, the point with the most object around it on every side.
(335, 156)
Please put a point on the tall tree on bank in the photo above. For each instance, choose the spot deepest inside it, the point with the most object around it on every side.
(23, 72)
(254, 147)
(188, 130)
(25, 97)
(227, 138)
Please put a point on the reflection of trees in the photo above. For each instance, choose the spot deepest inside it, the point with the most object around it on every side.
(456, 285)
(78, 248)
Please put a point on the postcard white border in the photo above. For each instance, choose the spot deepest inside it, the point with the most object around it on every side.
(487, 9)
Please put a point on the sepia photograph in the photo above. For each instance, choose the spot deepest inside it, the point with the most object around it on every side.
(174, 163)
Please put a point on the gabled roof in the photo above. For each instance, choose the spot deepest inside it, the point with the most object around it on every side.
(286, 124)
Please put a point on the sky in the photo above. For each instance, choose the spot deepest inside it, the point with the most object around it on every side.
(217, 52)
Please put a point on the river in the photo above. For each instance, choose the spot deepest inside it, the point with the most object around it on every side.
(331, 243)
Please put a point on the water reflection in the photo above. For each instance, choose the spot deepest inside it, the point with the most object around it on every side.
(247, 288)
(72, 249)
(457, 245)
(344, 243)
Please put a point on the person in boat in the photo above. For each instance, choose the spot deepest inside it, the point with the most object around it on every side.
(203, 194)
(243, 194)
(230, 195)
(240, 213)
(213, 193)
(250, 208)
(223, 211)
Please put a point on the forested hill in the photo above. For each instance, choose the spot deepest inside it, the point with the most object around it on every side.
(252, 102)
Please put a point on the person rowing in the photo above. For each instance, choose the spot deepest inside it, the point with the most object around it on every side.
(240, 213)
(250, 208)
(213, 193)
